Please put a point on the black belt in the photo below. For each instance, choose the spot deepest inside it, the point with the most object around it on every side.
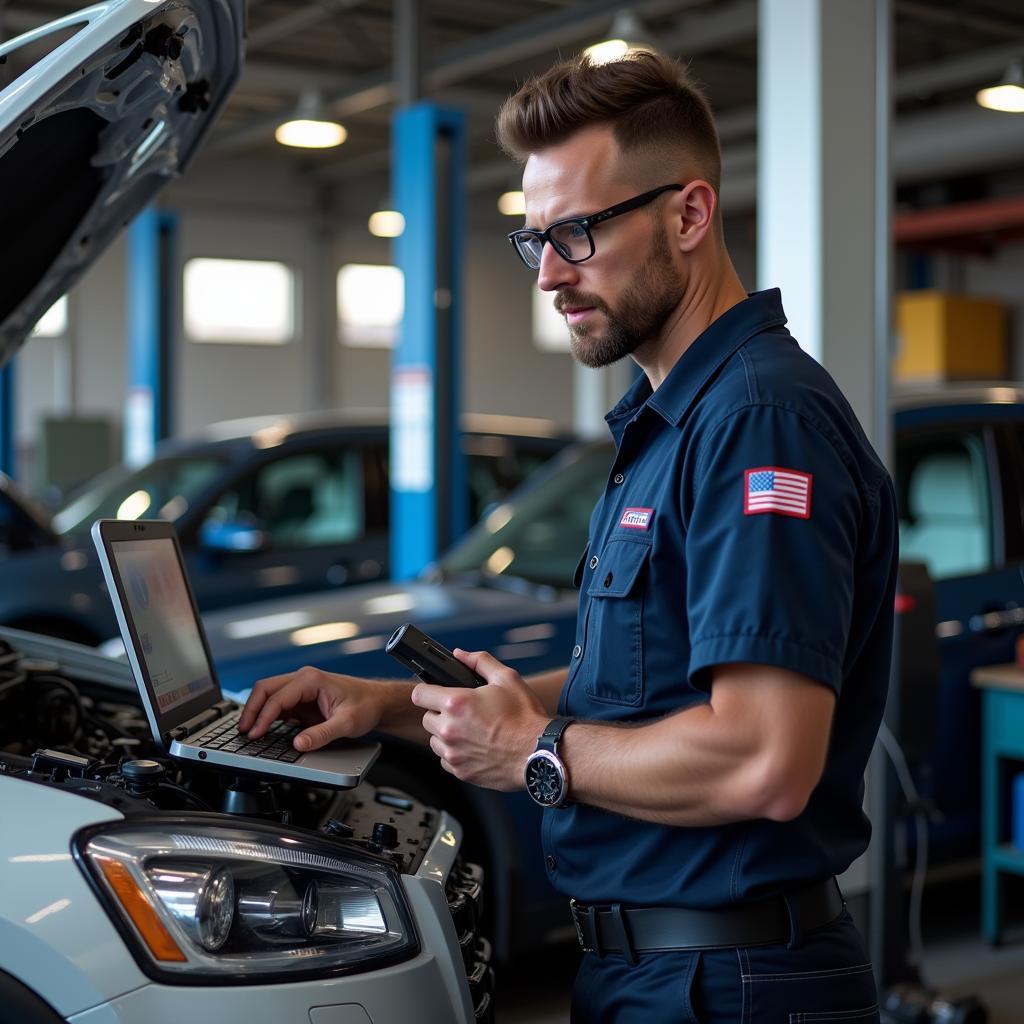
(613, 928)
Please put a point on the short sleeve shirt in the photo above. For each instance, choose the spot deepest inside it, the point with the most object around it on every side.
(746, 518)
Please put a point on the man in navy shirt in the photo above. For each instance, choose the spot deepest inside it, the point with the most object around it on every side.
(701, 759)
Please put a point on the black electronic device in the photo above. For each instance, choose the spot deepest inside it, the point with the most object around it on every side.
(428, 659)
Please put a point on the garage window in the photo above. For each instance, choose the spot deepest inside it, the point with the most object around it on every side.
(371, 301)
(549, 331)
(54, 322)
(241, 301)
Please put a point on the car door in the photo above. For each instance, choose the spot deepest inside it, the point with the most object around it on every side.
(310, 505)
(959, 493)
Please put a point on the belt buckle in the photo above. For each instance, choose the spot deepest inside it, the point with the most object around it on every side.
(589, 934)
(585, 919)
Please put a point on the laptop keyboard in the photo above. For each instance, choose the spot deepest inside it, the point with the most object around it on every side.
(276, 745)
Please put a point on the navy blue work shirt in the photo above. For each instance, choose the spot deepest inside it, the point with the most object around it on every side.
(746, 519)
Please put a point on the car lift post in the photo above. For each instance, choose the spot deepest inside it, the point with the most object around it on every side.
(428, 475)
(150, 303)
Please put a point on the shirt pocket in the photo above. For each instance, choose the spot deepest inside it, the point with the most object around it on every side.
(615, 627)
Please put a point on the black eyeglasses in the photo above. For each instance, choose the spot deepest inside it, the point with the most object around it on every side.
(571, 238)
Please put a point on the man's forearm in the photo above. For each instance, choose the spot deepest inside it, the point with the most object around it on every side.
(756, 750)
(400, 717)
(548, 687)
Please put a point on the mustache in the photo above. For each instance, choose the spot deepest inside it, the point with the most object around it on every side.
(577, 300)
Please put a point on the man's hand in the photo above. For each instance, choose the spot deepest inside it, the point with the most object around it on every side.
(341, 706)
(483, 736)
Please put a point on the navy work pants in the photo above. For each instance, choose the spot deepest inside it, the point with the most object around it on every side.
(826, 978)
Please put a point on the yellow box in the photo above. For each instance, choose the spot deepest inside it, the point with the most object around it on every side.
(949, 337)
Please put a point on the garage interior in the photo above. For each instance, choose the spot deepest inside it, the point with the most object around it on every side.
(892, 220)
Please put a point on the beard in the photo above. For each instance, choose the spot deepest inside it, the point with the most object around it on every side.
(649, 300)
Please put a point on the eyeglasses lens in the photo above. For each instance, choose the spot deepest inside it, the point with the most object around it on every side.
(529, 248)
(573, 241)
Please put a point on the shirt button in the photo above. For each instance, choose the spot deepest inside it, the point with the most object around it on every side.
(608, 580)
(593, 562)
(552, 863)
(619, 478)
(577, 651)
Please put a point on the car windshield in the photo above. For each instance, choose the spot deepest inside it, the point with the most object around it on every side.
(162, 490)
(540, 536)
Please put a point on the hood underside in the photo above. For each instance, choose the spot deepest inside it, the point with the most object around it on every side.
(92, 131)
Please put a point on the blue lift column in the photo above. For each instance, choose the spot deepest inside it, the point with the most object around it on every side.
(7, 422)
(150, 317)
(428, 475)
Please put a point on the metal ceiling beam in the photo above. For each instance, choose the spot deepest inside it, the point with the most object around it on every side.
(297, 21)
(484, 52)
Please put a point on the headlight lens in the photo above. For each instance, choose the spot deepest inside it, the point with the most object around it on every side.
(253, 901)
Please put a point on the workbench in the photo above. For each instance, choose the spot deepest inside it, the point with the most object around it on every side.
(1002, 741)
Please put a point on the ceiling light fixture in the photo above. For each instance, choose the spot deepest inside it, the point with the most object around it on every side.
(1008, 95)
(627, 34)
(311, 127)
(512, 203)
(386, 223)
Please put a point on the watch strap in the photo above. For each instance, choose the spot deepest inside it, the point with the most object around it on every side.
(549, 738)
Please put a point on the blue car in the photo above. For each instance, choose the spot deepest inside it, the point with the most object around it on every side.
(264, 508)
(507, 588)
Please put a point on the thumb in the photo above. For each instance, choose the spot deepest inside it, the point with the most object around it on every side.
(317, 736)
(487, 666)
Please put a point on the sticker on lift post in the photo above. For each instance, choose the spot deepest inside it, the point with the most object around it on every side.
(412, 427)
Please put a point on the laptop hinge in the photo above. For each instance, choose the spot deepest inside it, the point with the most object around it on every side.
(194, 724)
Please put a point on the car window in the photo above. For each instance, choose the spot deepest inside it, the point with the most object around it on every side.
(493, 477)
(944, 491)
(307, 499)
(542, 535)
(163, 489)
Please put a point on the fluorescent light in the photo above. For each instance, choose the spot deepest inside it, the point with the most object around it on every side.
(306, 133)
(386, 223)
(312, 127)
(512, 204)
(627, 34)
(1008, 95)
(606, 52)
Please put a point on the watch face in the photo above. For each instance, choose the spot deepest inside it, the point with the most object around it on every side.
(545, 779)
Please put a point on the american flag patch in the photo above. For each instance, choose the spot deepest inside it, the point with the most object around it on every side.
(636, 518)
(771, 489)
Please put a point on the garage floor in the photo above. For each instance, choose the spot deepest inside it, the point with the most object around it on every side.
(536, 990)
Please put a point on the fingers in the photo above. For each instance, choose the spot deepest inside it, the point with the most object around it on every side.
(431, 697)
(260, 692)
(298, 690)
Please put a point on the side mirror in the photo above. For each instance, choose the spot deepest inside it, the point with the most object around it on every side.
(232, 535)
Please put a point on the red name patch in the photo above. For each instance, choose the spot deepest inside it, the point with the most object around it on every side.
(637, 518)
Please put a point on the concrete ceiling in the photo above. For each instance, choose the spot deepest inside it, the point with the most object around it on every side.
(475, 53)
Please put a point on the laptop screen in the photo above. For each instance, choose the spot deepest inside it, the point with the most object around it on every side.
(169, 641)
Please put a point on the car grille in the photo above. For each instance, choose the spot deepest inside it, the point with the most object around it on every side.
(464, 891)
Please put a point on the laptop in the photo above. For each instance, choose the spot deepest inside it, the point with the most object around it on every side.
(170, 658)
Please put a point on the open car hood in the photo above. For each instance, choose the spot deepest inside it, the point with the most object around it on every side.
(92, 130)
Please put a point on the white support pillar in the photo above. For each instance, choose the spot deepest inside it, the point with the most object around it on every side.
(816, 205)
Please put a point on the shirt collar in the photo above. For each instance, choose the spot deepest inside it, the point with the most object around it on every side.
(759, 311)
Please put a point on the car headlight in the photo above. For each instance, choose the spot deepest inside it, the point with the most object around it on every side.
(254, 903)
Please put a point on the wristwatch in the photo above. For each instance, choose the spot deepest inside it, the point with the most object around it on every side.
(547, 780)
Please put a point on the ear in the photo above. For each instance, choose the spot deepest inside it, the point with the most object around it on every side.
(694, 208)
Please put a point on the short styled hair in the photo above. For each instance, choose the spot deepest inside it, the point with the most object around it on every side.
(654, 108)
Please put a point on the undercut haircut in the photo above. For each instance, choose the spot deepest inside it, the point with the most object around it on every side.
(656, 112)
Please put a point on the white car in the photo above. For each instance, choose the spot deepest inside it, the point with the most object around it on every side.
(133, 892)
(131, 889)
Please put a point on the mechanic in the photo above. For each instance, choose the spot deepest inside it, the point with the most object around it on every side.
(701, 760)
